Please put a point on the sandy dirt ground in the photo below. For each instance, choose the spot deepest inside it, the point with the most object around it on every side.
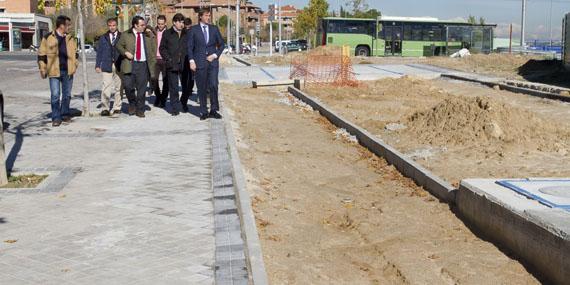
(330, 212)
(516, 67)
(460, 130)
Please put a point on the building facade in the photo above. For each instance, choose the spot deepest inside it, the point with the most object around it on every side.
(288, 15)
(21, 30)
(20, 25)
(18, 6)
(250, 14)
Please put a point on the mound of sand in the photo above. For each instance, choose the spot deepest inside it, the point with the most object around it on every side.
(504, 65)
(465, 121)
(384, 89)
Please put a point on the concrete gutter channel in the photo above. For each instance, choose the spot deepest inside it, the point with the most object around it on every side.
(242, 61)
(542, 246)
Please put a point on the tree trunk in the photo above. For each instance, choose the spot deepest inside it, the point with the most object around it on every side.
(83, 62)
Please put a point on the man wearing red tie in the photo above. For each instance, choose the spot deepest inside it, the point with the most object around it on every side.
(139, 51)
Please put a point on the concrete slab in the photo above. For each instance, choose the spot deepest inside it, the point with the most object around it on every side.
(554, 193)
(535, 232)
(280, 73)
(246, 74)
(403, 69)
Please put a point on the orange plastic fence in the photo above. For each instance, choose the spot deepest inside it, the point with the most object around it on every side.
(330, 65)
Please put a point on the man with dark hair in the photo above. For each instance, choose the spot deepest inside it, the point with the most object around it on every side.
(187, 79)
(138, 48)
(205, 46)
(107, 62)
(57, 59)
(173, 51)
(160, 97)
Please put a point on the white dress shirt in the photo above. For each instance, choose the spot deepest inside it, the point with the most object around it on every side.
(113, 36)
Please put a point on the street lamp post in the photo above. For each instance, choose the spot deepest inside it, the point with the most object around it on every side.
(237, 25)
(228, 26)
(523, 23)
(280, 37)
(550, 23)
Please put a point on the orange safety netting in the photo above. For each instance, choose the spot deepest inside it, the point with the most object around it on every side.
(324, 65)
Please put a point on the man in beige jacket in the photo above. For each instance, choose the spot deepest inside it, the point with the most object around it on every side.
(57, 59)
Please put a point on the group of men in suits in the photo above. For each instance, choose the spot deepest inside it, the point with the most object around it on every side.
(133, 59)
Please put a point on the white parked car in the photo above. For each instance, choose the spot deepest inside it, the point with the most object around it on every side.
(88, 49)
(285, 43)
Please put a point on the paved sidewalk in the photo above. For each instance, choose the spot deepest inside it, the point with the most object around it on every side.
(129, 201)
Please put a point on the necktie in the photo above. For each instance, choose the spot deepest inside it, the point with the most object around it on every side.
(113, 38)
(205, 33)
(139, 44)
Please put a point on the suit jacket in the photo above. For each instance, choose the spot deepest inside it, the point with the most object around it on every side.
(128, 43)
(107, 53)
(173, 49)
(199, 50)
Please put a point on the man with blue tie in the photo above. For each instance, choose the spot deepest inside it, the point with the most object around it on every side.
(205, 46)
(108, 62)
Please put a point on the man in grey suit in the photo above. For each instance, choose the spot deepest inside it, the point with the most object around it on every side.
(205, 46)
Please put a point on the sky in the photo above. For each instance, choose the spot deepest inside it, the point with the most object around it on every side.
(500, 12)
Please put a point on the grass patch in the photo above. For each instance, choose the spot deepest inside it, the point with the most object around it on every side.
(24, 181)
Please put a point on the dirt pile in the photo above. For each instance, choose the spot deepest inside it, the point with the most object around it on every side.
(503, 65)
(388, 87)
(463, 121)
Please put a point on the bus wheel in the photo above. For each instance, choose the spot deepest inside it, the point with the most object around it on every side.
(362, 51)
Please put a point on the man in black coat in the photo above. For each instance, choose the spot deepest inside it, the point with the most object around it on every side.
(160, 96)
(173, 52)
(205, 46)
(108, 62)
(187, 76)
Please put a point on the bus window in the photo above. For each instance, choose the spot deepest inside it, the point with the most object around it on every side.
(417, 33)
(335, 26)
(437, 34)
(407, 32)
(427, 34)
(357, 27)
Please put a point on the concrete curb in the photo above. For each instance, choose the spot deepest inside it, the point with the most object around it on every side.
(409, 168)
(511, 88)
(254, 253)
(256, 84)
(540, 238)
(246, 63)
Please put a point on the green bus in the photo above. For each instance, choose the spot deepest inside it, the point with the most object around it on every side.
(404, 36)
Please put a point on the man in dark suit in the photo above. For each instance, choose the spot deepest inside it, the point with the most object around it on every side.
(108, 62)
(138, 47)
(205, 46)
(173, 52)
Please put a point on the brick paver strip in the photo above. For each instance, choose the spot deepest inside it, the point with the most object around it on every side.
(231, 266)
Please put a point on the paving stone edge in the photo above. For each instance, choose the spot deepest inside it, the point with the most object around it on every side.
(253, 251)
